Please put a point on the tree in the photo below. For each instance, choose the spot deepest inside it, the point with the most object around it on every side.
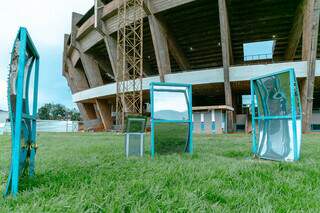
(44, 112)
(52, 111)
(74, 115)
(59, 112)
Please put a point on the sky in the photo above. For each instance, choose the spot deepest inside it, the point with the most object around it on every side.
(47, 21)
(170, 101)
(262, 48)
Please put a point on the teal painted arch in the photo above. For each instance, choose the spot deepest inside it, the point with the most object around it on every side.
(22, 119)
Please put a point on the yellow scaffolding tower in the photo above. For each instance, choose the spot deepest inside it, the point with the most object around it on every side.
(129, 59)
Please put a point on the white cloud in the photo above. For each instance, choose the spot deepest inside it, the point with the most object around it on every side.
(46, 20)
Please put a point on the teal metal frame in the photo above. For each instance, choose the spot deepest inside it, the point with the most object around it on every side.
(23, 157)
(294, 91)
(154, 121)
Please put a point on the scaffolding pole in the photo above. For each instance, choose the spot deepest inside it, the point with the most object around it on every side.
(129, 60)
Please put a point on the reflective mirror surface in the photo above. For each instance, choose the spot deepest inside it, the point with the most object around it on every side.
(136, 124)
(171, 137)
(171, 111)
(170, 105)
(275, 127)
(273, 95)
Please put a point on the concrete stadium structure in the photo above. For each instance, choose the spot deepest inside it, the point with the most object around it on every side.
(200, 42)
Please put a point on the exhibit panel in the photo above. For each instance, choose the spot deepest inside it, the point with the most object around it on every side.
(134, 135)
(277, 119)
(171, 118)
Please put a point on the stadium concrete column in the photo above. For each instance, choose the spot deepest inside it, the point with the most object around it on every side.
(227, 58)
(75, 80)
(77, 76)
(110, 42)
(174, 48)
(85, 114)
(81, 81)
(91, 67)
(160, 44)
(90, 111)
(296, 31)
(105, 113)
(309, 54)
(164, 42)
(92, 70)
(111, 46)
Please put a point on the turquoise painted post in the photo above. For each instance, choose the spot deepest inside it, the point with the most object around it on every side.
(152, 121)
(254, 146)
(9, 182)
(294, 114)
(18, 114)
(299, 99)
(300, 109)
(34, 120)
(190, 121)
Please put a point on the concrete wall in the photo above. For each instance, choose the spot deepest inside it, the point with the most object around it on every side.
(207, 76)
(47, 126)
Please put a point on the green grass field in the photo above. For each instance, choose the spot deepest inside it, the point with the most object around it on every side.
(88, 172)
